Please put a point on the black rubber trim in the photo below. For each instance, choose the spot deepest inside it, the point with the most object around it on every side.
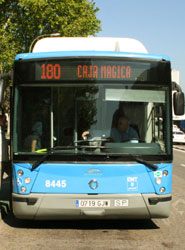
(154, 201)
(29, 201)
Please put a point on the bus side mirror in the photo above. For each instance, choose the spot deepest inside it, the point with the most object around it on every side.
(2, 86)
(178, 100)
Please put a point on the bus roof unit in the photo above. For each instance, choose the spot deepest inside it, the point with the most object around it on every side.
(51, 44)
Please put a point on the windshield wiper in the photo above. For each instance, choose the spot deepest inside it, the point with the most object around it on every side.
(52, 151)
(42, 159)
(146, 163)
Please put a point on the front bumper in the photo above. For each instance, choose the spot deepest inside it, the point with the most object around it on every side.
(63, 206)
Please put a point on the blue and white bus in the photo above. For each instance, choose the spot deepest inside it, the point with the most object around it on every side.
(67, 86)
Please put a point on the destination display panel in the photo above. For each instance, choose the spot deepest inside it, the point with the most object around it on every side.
(86, 70)
(81, 70)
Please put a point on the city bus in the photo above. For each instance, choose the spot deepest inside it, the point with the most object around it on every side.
(69, 87)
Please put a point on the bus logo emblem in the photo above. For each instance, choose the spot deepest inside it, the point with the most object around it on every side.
(93, 184)
(93, 171)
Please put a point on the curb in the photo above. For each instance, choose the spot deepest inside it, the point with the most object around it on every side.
(183, 149)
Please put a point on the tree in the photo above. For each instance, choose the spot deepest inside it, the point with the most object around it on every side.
(21, 21)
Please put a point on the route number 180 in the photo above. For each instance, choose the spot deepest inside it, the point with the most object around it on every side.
(51, 71)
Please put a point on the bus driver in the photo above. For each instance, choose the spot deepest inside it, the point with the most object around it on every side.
(123, 131)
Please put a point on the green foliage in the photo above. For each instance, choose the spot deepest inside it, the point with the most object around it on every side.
(21, 21)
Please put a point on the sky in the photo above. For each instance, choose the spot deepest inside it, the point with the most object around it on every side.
(158, 24)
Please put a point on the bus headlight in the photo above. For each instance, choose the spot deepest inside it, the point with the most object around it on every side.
(158, 181)
(162, 189)
(27, 180)
(165, 173)
(23, 189)
(20, 172)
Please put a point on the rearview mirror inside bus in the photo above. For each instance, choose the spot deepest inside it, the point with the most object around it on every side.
(178, 103)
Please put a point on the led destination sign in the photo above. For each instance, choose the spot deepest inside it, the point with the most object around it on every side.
(88, 70)
(56, 71)
(104, 71)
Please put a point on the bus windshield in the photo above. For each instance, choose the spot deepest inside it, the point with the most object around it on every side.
(83, 118)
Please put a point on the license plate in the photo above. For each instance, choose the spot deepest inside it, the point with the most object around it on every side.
(92, 203)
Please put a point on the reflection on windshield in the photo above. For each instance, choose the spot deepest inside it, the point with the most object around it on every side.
(110, 118)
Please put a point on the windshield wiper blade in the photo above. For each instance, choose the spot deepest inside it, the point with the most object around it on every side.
(42, 159)
(146, 163)
(50, 152)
